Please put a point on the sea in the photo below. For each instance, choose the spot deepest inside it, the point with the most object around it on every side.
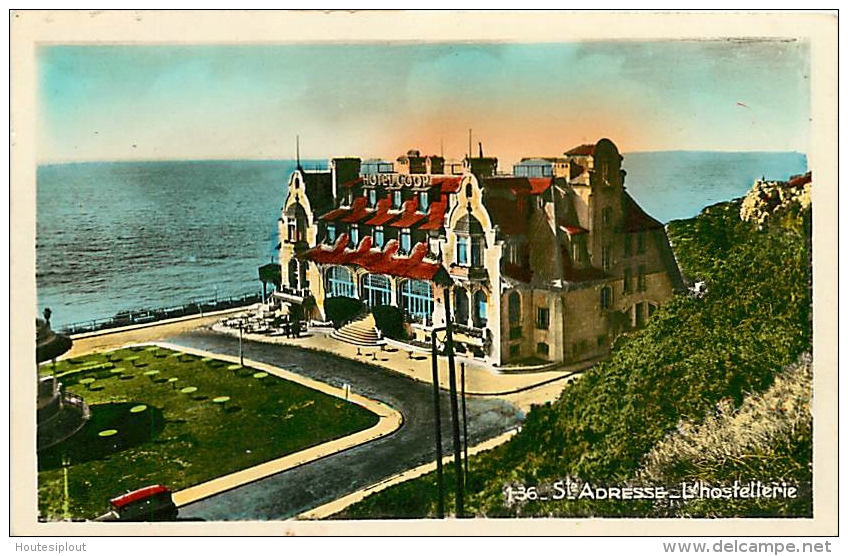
(120, 236)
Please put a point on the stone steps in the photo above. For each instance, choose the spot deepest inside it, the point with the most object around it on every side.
(362, 332)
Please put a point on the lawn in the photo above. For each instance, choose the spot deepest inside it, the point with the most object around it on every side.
(178, 420)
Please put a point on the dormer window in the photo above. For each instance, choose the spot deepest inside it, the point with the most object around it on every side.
(576, 250)
(331, 232)
(514, 253)
(470, 241)
(397, 199)
(372, 197)
(405, 241)
(379, 237)
(354, 235)
(423, 201)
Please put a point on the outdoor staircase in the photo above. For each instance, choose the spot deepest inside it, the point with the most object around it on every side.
(362, 332)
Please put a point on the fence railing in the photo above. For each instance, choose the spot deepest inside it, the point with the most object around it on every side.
(142, 316)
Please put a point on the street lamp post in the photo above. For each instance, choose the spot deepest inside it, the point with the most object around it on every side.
(464, 422)
(457, 444)
(438, 418)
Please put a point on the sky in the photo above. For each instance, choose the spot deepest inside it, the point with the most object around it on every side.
(130, 102)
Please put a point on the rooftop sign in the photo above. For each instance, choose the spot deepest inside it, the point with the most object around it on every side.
(396, 180)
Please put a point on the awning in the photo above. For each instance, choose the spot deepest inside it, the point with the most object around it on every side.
(271, 273)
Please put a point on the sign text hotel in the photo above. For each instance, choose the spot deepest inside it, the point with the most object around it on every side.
(389, 180)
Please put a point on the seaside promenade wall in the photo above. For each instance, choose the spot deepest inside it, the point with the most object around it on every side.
(102, 340)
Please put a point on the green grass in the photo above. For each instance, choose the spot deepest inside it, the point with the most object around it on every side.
(180, 439)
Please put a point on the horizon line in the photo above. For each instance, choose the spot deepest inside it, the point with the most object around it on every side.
(327, 159)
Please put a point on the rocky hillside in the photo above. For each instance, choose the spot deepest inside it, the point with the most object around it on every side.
(770, 199)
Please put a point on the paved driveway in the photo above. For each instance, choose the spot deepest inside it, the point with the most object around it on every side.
(292, 492)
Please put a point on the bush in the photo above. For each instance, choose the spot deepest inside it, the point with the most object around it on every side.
(389, 320)
(340, 310)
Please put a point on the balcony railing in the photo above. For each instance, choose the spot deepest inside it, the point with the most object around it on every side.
(290, 293)
(472, 331)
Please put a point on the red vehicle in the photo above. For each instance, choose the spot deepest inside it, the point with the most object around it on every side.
(151, 503)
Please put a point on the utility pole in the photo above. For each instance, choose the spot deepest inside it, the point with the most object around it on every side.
(241, 348)
(457, 445)
(438, 414)
(464, 421)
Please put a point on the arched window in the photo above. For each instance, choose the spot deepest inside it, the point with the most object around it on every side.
(417, 298)
(340, 282)
(376, 290)
(470, 241)
(514, 308)
(460, 297)
(480, 309)
(297, 222)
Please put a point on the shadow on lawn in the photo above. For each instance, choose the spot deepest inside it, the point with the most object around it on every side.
(133, 428)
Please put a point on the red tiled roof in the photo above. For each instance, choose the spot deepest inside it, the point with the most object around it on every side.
(582, 150)
(410, 216)
(574, 230)
(539, 185)
(798, 181)
(448, 185)
(435, 216)
(636, 219)
(335, 214)
(382, 215)
(321, 254)
(359, 211)
(520, 186)
(382, 262)
(136, 495)
(351, 183)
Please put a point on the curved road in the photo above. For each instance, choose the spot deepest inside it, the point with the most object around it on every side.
(294, 491)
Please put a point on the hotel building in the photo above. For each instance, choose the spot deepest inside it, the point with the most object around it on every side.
(547, 264)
